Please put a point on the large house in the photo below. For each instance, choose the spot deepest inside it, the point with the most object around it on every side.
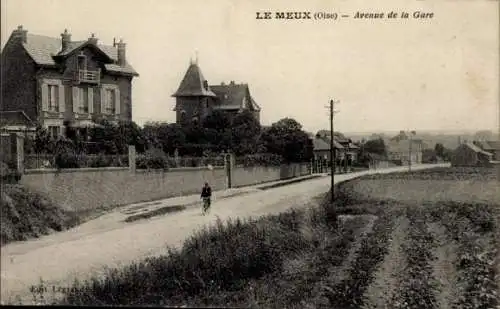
(469, 154)
(403, 149)
(195, 99)
(321, 148)
(492, 147)
(52, 81)
(344, 147)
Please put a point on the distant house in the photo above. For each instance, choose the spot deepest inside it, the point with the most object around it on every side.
(53, 80)
(468, 154)
(492, 147)
(403, 149)
(321, 149)
(195, 99)
(344, 146)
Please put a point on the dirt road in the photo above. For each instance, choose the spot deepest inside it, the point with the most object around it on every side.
(85, 250)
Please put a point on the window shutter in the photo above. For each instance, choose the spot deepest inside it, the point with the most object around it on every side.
(91, 100)
(117, 101)
(75, 100)
(103, 100)
(62, 101)
(45, 97)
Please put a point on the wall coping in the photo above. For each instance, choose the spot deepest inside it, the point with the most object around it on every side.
(74, 170)
(178, 169)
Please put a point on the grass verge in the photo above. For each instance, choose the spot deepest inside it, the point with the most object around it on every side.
(223, 263)
(27, 215)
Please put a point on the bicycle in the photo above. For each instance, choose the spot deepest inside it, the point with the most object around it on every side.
(206, 205)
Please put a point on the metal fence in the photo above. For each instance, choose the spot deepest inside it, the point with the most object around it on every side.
(159, 161)
(264, 159)
(49, 161)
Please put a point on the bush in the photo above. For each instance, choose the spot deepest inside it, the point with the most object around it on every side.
(100, 161)
(25, 214)
(153, 159)
(67, 160)
(9, 174)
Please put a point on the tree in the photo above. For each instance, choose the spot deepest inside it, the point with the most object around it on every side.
(442, 152)
(115, 138)
(217, 130)
(439, 149)
(376, 146)
(164, 136)
(286, 138)
(42, 141)
(245, 133)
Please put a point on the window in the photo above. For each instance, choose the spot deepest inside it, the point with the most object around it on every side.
(183, 116)
(82, 62)
(110, 101)
(54, 131)
(53, 98)
(83, 100)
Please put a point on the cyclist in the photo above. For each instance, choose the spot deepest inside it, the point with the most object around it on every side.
(206, 195)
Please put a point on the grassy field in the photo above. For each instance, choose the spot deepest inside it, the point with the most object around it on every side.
(384, 251)
(25, 215)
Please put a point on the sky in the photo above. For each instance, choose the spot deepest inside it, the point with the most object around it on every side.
(439, 73)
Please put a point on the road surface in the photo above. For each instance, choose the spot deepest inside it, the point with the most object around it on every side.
(85, 250)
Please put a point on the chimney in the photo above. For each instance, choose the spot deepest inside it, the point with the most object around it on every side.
(121, 52)
(20, 34)
(114, 42)
(205, 84)
(93, 39)
(231, 83)
(65, 39)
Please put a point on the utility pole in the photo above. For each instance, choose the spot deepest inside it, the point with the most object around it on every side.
(409, 161)
(332, 146)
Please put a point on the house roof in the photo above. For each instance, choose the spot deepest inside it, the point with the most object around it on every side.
(193, 84)
(9, 118)
(323, 143)
(402, 145)
(43, 49)
(233, 96)
(339, 137)
(476, 148)
(489, 145)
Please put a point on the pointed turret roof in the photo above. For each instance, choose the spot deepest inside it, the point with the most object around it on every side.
(193, 84)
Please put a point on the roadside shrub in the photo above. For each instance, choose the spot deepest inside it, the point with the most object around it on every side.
(100, 160)
(219, 257)
(25, 214)
(67, 160)
(9, 174)
(152, 159)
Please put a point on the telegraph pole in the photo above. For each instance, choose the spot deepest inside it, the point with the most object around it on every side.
(332, 147)
(409, 161)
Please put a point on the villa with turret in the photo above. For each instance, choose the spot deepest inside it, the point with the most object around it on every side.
(196, 99)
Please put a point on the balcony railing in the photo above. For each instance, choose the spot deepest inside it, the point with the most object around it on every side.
(89, 76)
